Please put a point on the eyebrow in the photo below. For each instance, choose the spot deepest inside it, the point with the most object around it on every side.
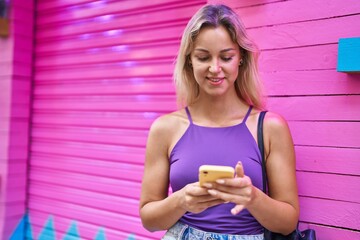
(224, 50)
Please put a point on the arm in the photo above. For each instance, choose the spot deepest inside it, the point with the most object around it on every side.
(158, 211)
(278, 212)
(282, 212)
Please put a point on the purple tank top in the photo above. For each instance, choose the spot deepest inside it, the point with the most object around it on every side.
(217, 146)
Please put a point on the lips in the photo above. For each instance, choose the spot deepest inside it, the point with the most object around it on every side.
(215, 81)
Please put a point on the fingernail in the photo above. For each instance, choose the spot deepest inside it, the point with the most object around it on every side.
(233, 212)
(212, 192)
(220, 181)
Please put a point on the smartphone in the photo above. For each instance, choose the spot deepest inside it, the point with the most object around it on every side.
(210, 173)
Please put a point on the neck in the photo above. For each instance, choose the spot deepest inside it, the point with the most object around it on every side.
(219, 110)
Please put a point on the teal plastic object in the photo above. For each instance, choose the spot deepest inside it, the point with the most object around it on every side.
(349, 55)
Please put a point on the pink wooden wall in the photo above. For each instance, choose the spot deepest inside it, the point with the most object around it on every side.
(15, 84)
(298, 40)
(102, 73)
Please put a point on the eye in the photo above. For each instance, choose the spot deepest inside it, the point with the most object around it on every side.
(203, 59)
(227, 59)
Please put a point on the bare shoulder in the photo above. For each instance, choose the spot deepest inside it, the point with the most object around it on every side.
(275, 123)
(168, 122)
(167, 126)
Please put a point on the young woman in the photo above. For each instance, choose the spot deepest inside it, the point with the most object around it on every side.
(220, 95)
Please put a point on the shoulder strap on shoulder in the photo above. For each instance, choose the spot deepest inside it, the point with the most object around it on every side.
(260, 138)
(188, 114)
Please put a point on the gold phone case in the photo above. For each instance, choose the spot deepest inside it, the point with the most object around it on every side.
(210, 173)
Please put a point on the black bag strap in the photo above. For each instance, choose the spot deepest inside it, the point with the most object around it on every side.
(297, 234)
(260, 138)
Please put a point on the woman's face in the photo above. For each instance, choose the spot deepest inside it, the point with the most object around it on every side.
(215, 61)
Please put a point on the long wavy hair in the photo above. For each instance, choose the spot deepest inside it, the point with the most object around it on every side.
(247, 85)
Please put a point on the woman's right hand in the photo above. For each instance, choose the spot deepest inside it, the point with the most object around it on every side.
(196, 199)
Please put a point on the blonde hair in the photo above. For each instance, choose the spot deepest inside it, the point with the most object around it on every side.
(248, 85)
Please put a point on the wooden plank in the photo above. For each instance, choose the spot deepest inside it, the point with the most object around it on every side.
(121, 153)
(16, 197)
(321, 57)
(328, 160)
(23, 4)
(331, 233)
(114, 21)
(15, 215)
(324, 31)
(23, 43)
(140, 86)
(327, 134)
(347, 108)
(106, 202)
(314, 82)
(118, 119)
(91, 134)
(243, 3)
(91, 10)
(108, 55)
(122, 70)
(44, 6)
(124, 187)
(112, 39)
(142, 103)
(92, 166)
(345, 188)
(283, 12)
(331, 213)
(23, 13)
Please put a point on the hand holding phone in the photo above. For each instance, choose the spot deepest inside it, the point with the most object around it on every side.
(210, 173)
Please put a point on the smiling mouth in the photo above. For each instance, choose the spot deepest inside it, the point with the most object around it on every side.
(215, 80)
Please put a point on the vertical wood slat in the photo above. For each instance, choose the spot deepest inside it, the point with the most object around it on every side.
(15, 84)
(299, 42)
(97, 88)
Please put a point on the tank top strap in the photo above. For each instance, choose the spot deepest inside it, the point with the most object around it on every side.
(247, 114)
(188, 114)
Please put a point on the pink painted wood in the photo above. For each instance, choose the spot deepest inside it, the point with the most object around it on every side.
(15, 82)
(322, 111)
(328, 160)
(330, 233)
(103, 73)
(298, 43)
(284, 12)
(317, 184)
(325, 31)
(314, 82)
(330, 213)
(329, 134)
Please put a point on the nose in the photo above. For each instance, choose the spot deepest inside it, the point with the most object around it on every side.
(215, 67)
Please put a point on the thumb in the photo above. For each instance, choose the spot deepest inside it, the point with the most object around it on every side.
(235, 210)
(239, 170)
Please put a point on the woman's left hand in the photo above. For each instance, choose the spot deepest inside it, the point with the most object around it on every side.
(238, 190)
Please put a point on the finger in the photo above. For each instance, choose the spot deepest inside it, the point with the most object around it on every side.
(237, 209)
(196, 191)
(202, 206)
(239, 169)
(234, 182)
(208, 198)
(228, 197)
